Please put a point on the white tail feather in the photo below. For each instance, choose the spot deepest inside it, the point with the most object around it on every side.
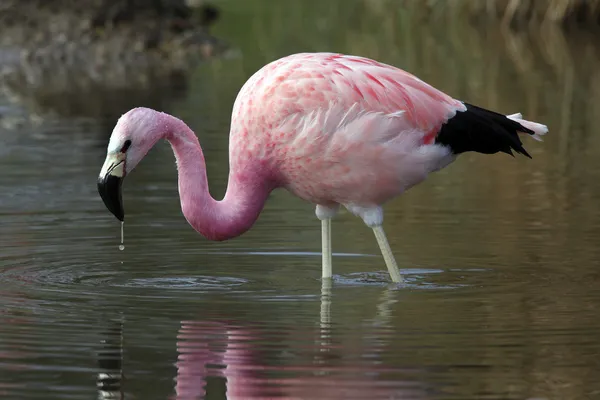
(538, 129)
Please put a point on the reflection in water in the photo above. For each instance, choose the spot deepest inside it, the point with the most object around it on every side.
(229, 360)
(65, 95)
(325, 322)
(110, 363)
(236, 356)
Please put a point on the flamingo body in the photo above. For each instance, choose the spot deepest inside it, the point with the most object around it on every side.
(330, 128)
(365, 129)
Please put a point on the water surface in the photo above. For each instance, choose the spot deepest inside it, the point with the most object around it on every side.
(500, 254)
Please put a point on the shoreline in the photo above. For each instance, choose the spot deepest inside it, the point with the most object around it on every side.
(44, 32)
(52, 57)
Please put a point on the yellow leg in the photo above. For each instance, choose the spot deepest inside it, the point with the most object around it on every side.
(388, 256)
(326, 248)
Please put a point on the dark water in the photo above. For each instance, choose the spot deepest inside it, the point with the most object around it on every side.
(501, 254)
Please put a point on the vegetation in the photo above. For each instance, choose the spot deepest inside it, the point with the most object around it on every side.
(512, 11)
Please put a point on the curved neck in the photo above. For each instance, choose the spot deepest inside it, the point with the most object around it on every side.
(246, 194)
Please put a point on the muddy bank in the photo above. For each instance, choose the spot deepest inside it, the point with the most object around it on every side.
(56, 55)
(100, 31)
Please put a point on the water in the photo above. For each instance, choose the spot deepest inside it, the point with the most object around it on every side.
(500, 255)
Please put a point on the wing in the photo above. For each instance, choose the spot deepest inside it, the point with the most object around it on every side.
(301, 84)
(384, 88)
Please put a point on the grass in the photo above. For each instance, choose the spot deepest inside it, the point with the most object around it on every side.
(512, 11)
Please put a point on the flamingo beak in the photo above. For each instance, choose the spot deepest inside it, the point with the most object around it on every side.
(110, 182)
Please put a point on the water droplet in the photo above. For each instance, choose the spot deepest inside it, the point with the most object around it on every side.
(122, 246)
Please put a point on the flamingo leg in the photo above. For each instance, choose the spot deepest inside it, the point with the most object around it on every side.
(388, 256)
(325, 214)
(326, 248)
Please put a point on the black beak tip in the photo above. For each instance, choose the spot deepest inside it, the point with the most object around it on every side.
(109, 189)
(120, 216)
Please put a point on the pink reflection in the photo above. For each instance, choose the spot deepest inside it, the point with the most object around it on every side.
(220, 350)
(213, 349)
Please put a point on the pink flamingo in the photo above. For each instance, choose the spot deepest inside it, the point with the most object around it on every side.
(332, 129)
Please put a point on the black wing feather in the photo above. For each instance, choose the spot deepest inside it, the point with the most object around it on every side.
(483, 131)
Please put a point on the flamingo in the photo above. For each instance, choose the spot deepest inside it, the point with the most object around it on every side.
(333, 129)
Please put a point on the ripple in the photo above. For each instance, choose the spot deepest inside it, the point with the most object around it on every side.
(414, 278)
(60, 274)
(186, 282)
(75, 277)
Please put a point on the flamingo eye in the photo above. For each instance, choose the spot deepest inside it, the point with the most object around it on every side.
(125, 146)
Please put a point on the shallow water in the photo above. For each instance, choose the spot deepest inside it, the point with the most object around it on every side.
(500, 254)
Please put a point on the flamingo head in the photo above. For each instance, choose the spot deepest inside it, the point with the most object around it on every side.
(134, 134)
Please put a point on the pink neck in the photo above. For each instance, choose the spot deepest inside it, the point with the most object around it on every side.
(246, 194)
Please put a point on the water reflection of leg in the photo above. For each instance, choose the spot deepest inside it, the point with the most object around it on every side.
(325, 322)
(110, 361)
(384, 307)
(324, 342)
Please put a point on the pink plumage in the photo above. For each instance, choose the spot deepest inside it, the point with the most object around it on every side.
(330, 128)
(356, 124)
